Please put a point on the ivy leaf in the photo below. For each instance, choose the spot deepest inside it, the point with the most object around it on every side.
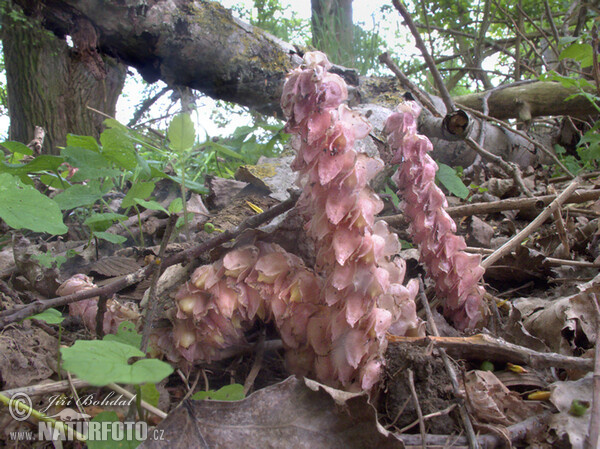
(87, 142)
(447, 176)
(140, 190)
(50, 316)
(45, 162)
(176, 206)
(181, 133)
(150, 394)
(17, 147)
(126, 334)
(152, 205)
(233, 392)
(109, 237)
(118, 147)
(91, 165)
(102, 362)
(101, 222)
(78, 195)
(22, 206)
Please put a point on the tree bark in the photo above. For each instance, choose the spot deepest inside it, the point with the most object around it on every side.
(332, 29)
(202, 46)
(50, 85)
(531, 100)
(195, 44)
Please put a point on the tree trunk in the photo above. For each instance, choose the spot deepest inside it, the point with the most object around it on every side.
(530, 100)
(332, 29)
(50, 85)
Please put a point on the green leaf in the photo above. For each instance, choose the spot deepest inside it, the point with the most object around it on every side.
(47, 260)
(392, 194)
(447, 176)
(225, 150)
(233, 392)
(181, 133)
(112, 238)
(50, 316)
(101, 362)
(91, 165)
(150, 394)
(126, 334)
(101, 222)
(118, 147)
(87, 142)
(41, 163)
(22, 206)
(582, 53)
(108, 440)
(78, 195)
(56, 181)
(17, 147)
(176, 206)
(153, 205)
(140, 190)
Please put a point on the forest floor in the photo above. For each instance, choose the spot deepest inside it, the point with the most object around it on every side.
(524, 379)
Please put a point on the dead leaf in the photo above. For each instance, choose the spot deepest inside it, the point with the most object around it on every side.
(291, 414)
(491, 402)
(563, 424)
(115, 266)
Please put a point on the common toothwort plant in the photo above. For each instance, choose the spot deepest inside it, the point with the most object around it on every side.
(455, 272)
(332, 319)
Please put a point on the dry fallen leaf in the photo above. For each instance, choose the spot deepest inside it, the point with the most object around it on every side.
(292, 414)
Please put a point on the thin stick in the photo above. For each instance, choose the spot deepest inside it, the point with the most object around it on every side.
(439, 82)
(591, 441)
(413, 392)
(100, 316)
(464, 414)
(143, 403)
(152, 301)
(528, 230)
(496, 350)
(547, 260)
(408, 84)
(429, 416)
(256, 366)
(18, 313)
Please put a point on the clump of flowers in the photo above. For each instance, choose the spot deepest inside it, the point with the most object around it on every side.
(332, 319)
(455, 272)
(87, 309)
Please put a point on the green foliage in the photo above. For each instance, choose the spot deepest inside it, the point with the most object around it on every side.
(233, 392)
(50, 316)
(126, 334)
(150, 394)
(447, 176)
(120, 440)
(22, 206)
(101, 362)
(48, 260)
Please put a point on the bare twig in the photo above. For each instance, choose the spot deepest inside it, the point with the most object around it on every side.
(152, 301)
(496, 350)
(21, 312)
(143, 403)
(519, 133)
(257, 365)
(464, 414)
(413, 392)
(100, 316)
(528, 230)
(408, 84)
(439, 82)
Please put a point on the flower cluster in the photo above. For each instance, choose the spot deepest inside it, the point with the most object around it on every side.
(87, 309)
(332, 319)
(455, 272)
(363, 283)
